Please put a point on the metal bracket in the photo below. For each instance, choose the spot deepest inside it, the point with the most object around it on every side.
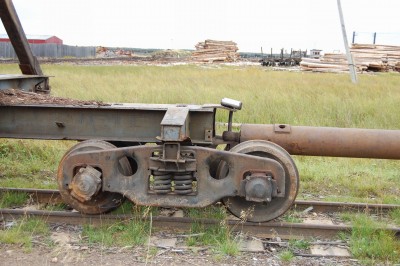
(282, 128)
(175, 124)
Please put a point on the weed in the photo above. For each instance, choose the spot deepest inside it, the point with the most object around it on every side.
(292, 217)
(56, 207)
(368, 242)
(10, 199)
(33, 163)
(191, 241)
(286, 256)
(228, 246)
(343, 236)
(126, 208)
(211, 212)
(152, 252)
(134, 233)
(24, 231)
(98, 235)
(30, 163)
(346, 216)
(220, 237)
(299, 243)
(131, 233)
(395, 215)
(357, 180)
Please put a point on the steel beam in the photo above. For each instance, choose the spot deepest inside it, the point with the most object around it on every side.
(117, 122)
(31, 83)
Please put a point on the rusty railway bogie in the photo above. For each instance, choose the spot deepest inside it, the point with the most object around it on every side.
(202, 189)
(175, 172)
(166, 155)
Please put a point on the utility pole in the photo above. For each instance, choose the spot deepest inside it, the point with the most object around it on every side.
(352, 68)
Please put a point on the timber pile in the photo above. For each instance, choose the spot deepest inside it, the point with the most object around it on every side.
(367, 57)
(106, 52)
(215, 51)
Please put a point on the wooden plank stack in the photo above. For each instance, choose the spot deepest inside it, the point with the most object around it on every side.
(215, 51)
(367, 57)
(377, 55)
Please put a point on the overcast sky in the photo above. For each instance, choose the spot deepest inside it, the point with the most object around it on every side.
(180, 24)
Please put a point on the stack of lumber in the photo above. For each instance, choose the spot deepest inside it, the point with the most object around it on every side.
(367, 57)
(377, 56)
(327, 63)
(215, 51)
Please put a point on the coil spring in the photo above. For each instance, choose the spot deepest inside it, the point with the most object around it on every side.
(183, 183)
(162, 182)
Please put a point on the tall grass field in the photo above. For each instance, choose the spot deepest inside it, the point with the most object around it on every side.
(295, 98)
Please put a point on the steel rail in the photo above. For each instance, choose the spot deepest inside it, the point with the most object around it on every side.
(267, 230)
(53, 197)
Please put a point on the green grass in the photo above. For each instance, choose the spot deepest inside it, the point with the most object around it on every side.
(369, 243)
(268, 97)
(286, 256)
(395, 215)
(211, 212)
(349, 179)
(292, 216)
(30, 163)
(126, 208)
(24, 231)
(132, 233)
(11, 199)
(56, 207)
(299, 244)
(219, 237)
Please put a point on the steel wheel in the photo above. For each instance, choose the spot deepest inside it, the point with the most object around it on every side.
(262, 212)
(101, 201)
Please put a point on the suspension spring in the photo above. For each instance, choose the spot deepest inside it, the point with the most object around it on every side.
(162, 182)
(183, 183)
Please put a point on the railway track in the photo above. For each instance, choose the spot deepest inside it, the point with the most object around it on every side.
(54, 197)
(284, 230)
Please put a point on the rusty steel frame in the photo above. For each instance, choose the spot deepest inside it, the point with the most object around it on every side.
(117, 122)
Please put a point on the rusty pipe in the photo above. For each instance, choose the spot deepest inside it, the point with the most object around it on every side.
(327, 141)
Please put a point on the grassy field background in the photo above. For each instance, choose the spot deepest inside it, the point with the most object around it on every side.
(268, 97)
(295, 98)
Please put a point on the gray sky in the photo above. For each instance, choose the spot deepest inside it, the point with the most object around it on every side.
(180, 24)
